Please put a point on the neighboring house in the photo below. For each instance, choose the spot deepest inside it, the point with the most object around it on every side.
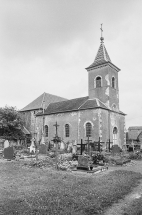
(134, 136)
(29, 112)
(96, 115)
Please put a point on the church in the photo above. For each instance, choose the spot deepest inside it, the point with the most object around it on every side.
(95, 116)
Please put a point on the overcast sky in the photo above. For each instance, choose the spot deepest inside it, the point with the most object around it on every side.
(45, 46)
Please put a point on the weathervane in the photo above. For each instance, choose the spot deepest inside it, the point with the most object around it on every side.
(101, 34)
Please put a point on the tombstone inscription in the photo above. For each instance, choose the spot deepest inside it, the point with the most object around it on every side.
(83, 162)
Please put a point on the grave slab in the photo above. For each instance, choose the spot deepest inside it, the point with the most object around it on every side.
(116, 150)
(83, 163)
(43, 149)
(9, 153)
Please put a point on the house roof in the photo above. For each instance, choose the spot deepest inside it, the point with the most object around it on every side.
(102, 57)
(134, 131)
(44, 99)
(135, 128)
(82, 103)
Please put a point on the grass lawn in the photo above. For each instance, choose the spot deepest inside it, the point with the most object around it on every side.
(34, 191)
(135, 208)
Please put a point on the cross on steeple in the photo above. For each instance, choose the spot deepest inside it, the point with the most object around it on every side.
(101, 30)
(101, 34)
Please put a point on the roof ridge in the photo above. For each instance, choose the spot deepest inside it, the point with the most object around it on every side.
(97, 100)
(83, 104)
(36, 104)
(104, 104)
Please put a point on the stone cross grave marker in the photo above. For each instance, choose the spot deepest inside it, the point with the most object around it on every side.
(9, 153)
(83, 162)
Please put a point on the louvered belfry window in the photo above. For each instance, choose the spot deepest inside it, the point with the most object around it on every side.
(98, 82)
(113, 82)
(46, 130)
(67, 130)
(88, 129)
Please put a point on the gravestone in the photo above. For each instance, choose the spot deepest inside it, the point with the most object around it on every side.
(62, 145)
(6, 144)
(116, 150)
(9, 153)
(74, 148)
(83, 162)
(43, 149)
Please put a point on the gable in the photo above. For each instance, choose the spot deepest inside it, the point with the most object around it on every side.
(38, 102)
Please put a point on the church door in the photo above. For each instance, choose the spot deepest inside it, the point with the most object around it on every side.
(115, 136)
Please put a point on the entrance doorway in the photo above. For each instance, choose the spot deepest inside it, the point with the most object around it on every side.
(115, 131)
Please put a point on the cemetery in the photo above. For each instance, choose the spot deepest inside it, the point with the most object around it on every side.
(65, 176)
(88, 156)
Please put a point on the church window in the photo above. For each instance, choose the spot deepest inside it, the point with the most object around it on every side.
(88, 129)
(46, 130)
(98, 82)
(115, 131)
(67, 130)
(113, 82)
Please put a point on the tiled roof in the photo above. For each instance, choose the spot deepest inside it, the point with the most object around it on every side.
(45, 98)
(93, 103)
(64, 106)
(102, 54)
(83, 103)
(135, 128)
(102, 57)
(134, 131)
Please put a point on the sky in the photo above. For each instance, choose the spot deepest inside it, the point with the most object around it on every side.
(45, 46)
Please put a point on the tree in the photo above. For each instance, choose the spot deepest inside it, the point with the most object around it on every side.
(11, 124)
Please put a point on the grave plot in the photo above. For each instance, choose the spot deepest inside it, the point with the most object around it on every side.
(9, 153)
(83, 162)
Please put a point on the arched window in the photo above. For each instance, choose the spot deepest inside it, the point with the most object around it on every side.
(67, 130)
(98, 82)
(113, 82)
(115, 131)
(46, 130)
(88, 129)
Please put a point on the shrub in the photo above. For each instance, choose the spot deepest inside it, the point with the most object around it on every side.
(25, 151)
(135, 156)
(19, 147)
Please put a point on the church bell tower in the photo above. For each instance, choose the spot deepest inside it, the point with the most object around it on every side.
(103, 78)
